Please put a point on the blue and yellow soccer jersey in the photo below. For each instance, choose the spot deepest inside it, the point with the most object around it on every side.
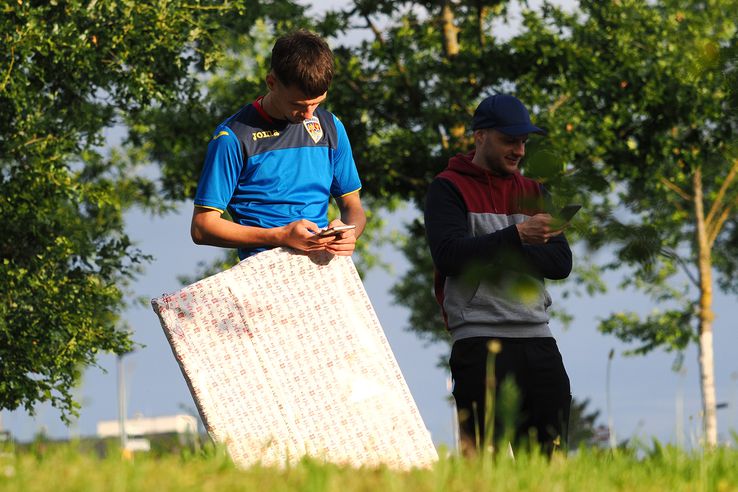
(268, 173)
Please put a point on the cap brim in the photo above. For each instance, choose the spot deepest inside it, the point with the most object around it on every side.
(516, 130)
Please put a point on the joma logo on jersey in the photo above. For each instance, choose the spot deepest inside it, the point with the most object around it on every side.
(264, 134)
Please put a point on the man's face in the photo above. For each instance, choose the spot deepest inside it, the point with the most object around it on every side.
(290, 103)
(498, 152)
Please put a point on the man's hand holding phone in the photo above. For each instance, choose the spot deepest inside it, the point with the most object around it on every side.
(335, 230)
(344, 236)
(542, 227)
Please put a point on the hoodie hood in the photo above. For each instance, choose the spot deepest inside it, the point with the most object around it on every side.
(463, 164)
(484, 191)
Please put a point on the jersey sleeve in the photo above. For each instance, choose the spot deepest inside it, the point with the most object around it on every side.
(345, 176)
(219, 176)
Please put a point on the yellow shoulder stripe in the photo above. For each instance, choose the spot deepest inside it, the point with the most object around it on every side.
(350, 192)
(209, 208)
(220, 135)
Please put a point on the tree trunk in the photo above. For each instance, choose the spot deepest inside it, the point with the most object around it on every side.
(450, 31)
(481, 13)
(707, 364)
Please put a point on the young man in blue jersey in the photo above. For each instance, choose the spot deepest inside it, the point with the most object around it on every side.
(493, 244)
(275, 163)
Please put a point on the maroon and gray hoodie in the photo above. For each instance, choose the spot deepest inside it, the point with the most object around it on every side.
(487, 282)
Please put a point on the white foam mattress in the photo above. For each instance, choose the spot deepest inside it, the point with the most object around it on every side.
(285, 357)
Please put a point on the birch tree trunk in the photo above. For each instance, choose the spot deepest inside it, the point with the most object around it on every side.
(707, 364)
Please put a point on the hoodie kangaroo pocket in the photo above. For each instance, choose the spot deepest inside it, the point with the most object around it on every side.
(520, 300)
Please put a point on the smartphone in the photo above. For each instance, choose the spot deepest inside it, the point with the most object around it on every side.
(336, 230)
(568, 211)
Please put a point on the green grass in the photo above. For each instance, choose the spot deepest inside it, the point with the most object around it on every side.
(63, 468)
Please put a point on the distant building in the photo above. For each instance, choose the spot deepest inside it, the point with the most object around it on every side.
(145, 426)
(141, 431)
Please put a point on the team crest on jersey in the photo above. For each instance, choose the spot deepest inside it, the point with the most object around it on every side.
(312, 125)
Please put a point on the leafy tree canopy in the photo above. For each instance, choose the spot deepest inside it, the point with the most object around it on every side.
(69, 72)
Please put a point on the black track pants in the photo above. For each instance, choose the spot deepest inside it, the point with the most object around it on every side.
(536, 367)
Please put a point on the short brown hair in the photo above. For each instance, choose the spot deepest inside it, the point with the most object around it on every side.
(303, 59)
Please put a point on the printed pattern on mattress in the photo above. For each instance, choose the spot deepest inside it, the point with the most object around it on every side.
(285, 357)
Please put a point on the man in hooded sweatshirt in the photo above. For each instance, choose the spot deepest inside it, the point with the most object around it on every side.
(493, 244)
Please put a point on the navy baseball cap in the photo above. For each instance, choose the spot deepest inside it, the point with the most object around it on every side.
(506, 114)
